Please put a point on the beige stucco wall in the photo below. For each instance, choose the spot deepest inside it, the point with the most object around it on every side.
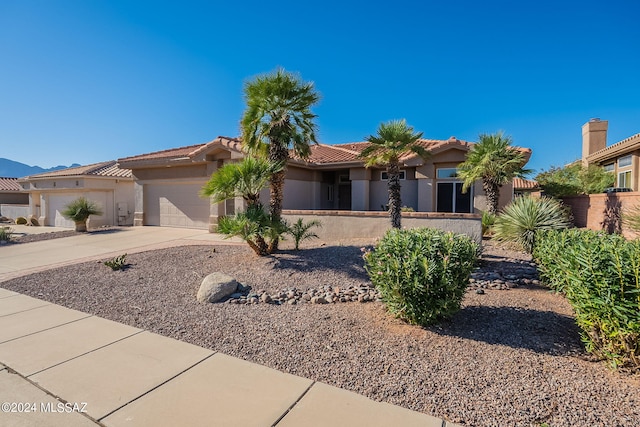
(343, 225)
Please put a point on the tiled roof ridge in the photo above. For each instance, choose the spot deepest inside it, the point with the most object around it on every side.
(637, 135)
(86, 169)
(341, 147)
(195, 146)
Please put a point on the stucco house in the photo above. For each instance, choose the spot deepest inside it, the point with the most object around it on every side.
(167, 183)
(621, 158)
(105, 183)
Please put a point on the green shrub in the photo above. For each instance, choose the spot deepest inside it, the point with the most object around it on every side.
(600, 276)
(5, 234)
(488, 220)
(117, 263)
(520, 219)
(21, 220)
(422, 273)
(301, 231)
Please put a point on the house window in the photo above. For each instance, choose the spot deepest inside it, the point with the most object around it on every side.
(609, 168)
(450, 198)
(624, 179)
(444, 173)
(385, 176)
(624, 161)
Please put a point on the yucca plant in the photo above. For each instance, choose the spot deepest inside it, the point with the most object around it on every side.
(520, 219)
(301, 231)
(79, 212)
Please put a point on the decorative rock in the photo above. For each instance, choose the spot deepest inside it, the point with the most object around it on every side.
(480, 291)
(265, 298)
(215, 287)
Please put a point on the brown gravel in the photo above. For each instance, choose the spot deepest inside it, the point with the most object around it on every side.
(509, 357)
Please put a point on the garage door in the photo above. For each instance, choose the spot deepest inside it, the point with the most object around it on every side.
(57, 203)
(176, 205)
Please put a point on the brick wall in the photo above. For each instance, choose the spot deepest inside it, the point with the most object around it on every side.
(603, 211)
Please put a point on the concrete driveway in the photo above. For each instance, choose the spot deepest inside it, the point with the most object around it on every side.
(24, 258)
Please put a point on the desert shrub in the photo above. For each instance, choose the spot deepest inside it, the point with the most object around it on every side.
(407, 209)
(488, 220)
(301, 231)
(117, 263)
(600, 276)
(5, 234)
(520, 219)
(421, 273)
(21, 220)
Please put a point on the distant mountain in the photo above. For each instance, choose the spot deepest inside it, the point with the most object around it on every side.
(13, 169)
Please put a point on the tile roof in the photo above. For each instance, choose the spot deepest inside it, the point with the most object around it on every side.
(524, 184)
(628, 144)
(339, 153)
(106, 169)
(189, 151)
(9, 184)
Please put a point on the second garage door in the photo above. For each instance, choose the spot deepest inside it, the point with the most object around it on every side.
(176, 205)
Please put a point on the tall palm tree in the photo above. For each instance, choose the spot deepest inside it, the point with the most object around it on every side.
(278, 117)
(494, 161)
(393, 140)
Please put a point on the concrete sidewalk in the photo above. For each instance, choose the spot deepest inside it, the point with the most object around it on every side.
(62, 367)
(26, 258)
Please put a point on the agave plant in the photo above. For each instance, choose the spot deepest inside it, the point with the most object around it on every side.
(520, 220)
(79, 212)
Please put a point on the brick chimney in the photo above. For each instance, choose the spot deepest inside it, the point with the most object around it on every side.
(594, 137)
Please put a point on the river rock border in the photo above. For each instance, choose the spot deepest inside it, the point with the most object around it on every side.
(325, 295)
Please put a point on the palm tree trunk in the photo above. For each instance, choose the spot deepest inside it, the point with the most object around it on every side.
(278, 153)
(395, 202)
(493, 195)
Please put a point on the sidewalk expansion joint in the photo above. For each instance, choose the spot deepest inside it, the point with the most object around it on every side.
(85, 353)
(293, 404)
(46, 329)
(156, 387)
(48, 393)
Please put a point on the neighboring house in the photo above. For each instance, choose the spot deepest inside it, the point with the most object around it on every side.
(12, 198)
(621, 158)
(524, 187)
(11, 192)
(110, 186)
(167, 183)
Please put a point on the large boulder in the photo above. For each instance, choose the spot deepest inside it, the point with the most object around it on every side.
(216, 286)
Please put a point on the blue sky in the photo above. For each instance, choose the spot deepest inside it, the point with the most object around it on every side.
(83, 81)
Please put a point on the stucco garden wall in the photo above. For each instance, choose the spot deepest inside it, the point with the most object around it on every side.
(603, 211)
(338, 225)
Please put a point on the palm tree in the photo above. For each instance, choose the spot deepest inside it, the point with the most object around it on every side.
(393, 140)
(243, 179)
(278, 117)
(246, 179)
(494, 161)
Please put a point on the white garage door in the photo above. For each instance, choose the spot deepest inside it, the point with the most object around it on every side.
(176, 205)
(57, 203)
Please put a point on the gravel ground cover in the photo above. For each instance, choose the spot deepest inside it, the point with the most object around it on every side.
(511, 356)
